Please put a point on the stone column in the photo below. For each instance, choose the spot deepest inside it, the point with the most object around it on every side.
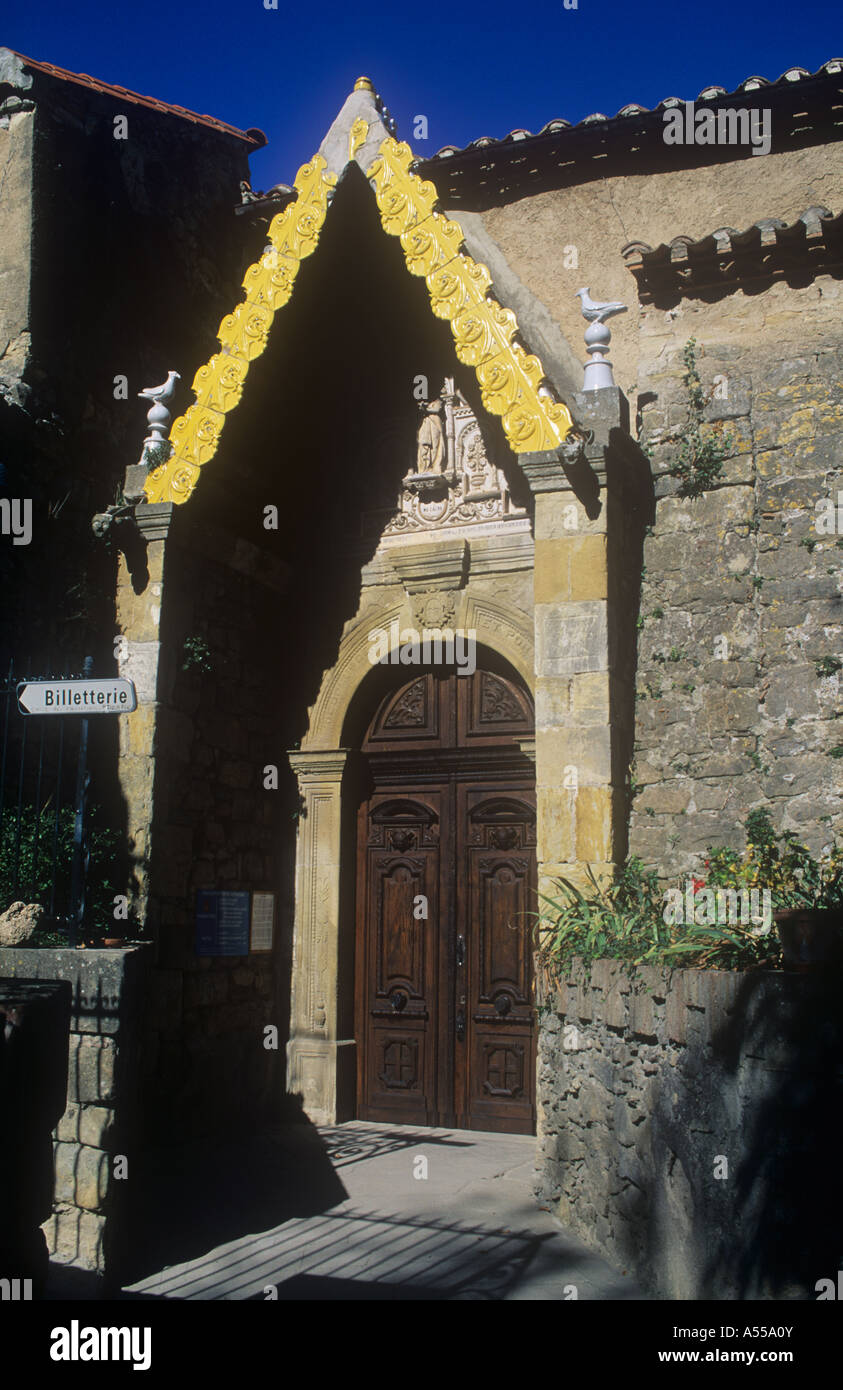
(139, 599)
(580, 782)
(320, 1065)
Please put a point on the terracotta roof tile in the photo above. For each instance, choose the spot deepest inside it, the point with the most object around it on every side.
(254, 138)
(833, 67)
(768, 249)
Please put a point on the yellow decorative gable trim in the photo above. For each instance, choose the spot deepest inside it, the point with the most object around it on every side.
(218, 386)
(511, 380)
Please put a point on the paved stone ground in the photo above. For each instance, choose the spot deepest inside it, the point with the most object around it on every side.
(370, 1230)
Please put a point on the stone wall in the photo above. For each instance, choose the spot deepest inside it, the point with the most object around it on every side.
(99, 1122)
(598, 216)
(215, 826)
(689, 1126)
(117, 260)
(741, 594)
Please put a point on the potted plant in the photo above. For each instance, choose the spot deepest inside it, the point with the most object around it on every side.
(807, 893)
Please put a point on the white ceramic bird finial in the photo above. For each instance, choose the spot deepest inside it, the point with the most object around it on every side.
(164, 393)
(598, 313)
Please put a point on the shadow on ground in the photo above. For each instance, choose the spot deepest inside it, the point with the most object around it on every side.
(188, 1200)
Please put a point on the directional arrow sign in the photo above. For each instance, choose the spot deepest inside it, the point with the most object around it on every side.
(110, 696)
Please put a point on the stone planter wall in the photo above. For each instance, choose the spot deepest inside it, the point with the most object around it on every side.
(98, 1123)
(688, 1126)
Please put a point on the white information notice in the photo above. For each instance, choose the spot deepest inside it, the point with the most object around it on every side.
(263, 921)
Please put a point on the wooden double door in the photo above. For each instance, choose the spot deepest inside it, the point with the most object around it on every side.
(445, 892)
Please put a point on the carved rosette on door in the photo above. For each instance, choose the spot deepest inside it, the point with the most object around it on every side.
(445, 888)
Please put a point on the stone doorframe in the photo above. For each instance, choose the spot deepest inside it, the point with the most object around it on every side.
(321, 1066)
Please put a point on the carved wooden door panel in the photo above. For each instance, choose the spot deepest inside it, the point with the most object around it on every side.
(446, 874)
(399, 958)
(494, 1020)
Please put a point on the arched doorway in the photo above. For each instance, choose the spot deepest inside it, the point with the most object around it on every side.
(445, 884)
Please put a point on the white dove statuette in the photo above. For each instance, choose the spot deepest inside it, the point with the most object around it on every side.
(164, 393)
(598, 313)
(598, 335)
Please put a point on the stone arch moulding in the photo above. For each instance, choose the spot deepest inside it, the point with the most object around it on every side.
(321, 1065)
(498, 626)
(512, 381)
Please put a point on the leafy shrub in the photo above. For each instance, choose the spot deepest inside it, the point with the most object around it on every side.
(35, 867)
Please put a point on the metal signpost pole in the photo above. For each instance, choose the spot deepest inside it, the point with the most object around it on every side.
(77, 893)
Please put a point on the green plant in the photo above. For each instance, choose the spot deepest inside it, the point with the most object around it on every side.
(628, 919)
(836, 752)
(701, 456)
(776, 860)
(35, 864)
(757, 581)
(622, 919)
(657, 613)
(197, 655)
(157, 454)
(828, 666)
(809, 543)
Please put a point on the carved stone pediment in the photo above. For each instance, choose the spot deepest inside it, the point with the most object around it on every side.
(455, 483)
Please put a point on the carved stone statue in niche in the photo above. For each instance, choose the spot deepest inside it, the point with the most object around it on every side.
(455, 482)
(431, 440)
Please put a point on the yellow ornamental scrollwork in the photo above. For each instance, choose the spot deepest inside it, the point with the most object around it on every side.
(511, 380)
(245, 332)
(431, 244)
(195, 436)
(456, 286)
(219, 384)
(243, 335)
(269, 283)
(295, 231)
(403, 199)
(484, 331)
(357, 136)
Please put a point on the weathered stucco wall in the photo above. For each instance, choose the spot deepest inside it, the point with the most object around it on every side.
(689, 1125)
(742, 595)
(600, 216)
(16, 137)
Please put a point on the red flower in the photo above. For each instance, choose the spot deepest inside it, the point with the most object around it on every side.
(698, 884)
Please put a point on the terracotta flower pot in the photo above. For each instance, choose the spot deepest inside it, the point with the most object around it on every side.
(114, 941)
(810, 937)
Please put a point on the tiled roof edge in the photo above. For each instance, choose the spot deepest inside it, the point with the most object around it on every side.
(254, 138)
(831, 68)
(767, 247)
(811, 224)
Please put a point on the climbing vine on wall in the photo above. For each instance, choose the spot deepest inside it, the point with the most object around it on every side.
(701, 454)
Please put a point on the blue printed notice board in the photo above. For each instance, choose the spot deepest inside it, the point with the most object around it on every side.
(222, 923)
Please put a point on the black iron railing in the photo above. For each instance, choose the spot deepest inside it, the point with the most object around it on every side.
(44, 784)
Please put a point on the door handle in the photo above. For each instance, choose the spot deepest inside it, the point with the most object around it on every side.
(460, 950)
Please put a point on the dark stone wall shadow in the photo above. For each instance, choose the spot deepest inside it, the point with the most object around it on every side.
(787, 1034)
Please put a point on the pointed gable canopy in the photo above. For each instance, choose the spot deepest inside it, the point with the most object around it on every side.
(486, 337)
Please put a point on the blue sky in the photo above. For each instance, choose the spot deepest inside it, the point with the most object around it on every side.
(476, 69)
